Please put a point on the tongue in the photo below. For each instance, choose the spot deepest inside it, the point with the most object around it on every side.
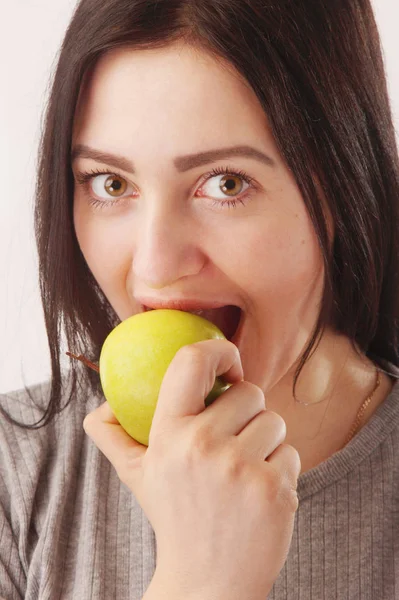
(226, 318)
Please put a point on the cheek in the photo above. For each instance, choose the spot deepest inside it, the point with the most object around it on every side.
(280, 258)
(103, 249)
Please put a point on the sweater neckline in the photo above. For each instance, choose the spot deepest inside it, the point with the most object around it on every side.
(374, 432)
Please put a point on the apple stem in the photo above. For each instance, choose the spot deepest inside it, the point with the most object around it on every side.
(85, 361)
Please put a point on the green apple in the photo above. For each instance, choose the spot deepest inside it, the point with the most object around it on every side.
(135, 357)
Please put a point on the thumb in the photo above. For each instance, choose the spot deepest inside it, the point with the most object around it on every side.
(123, 452)
(189, 379)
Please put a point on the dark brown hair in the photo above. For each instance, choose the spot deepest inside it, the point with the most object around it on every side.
(317, 70)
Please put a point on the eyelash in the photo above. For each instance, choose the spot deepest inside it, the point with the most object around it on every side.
(84, 177)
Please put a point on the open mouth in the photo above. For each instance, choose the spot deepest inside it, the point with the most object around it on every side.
(227, 318)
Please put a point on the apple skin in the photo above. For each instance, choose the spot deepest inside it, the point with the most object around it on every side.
(135, 357)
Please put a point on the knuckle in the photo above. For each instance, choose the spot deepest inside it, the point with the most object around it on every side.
(192, 353)
(294, 462)
(291, 452)
(203, 442)
(281, 484)
(281, 494)
(292, 500)
(253, 392)
(288, 497)
(260, 491)
(233, 462)
(296, 459)
(277, 422)
(292, 458)
(197, 446)
(273, 482)
(203, 448)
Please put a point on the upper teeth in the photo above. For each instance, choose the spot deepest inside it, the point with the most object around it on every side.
(198, 312)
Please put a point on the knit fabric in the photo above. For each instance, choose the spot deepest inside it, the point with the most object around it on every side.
(69, 529)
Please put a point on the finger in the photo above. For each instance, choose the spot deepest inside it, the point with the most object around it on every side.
(233, 409)
(260, 438)
(286, 460)
(191, 376)
(123, 452)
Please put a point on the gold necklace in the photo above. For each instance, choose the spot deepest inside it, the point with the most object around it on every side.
(359, 416)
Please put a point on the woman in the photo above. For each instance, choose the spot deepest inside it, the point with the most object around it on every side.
(239, 158)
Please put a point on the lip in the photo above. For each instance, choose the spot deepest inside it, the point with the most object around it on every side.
(186, 304)
(180, 304)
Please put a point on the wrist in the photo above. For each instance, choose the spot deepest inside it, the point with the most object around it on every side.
(167, 587)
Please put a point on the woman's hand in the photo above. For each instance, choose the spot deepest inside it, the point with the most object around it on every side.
(217, 484)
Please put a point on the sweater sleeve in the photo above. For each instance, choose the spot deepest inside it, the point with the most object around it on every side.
(12, 577)
(19, 471)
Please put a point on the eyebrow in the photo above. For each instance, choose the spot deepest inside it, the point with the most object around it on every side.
(181, 163)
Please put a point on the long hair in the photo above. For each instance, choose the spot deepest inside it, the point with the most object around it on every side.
(317, 69)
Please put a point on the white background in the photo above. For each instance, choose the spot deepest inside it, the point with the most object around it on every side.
(31, 35)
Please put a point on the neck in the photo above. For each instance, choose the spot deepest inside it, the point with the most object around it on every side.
(330, 390)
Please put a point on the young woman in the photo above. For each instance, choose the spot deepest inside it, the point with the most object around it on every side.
(238, 158)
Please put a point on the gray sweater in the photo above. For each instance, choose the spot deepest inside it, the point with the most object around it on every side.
(70, 530)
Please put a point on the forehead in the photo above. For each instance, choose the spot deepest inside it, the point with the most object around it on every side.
(176, 96)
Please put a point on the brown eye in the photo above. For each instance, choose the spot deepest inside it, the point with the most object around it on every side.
(221, 185)
(231, 185)
(115, 185)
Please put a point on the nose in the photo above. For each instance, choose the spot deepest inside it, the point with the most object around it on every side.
(166, 249)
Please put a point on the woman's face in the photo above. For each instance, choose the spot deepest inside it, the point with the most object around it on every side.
(168, 228)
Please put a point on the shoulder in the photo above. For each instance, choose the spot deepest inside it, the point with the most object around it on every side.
(23, 411)
(29, 405)
(31, 451)
(47, 474)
